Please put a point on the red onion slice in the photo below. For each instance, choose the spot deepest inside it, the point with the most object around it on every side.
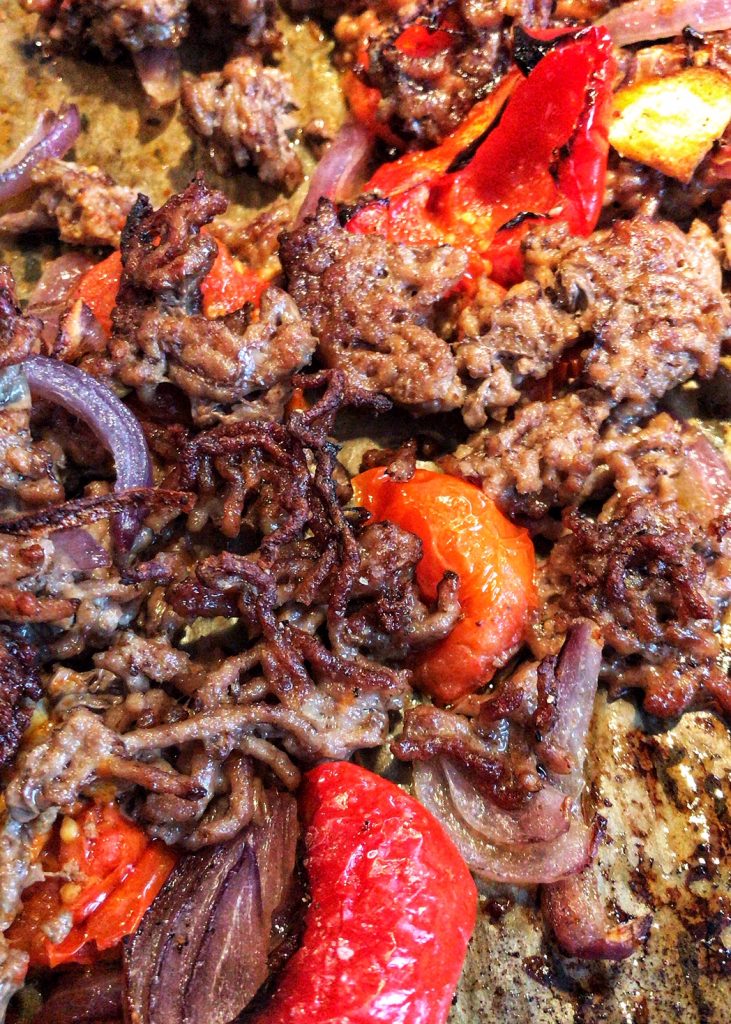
(642, 20)
(526, 864)
(545, 816)
(53, 136)
(201, 952)
(578, 917)
(707, 475)
(577, 677)
(105, 414)
(75, 548)
(341, 170)
(94, 995)
(158, 69)
(50, 296)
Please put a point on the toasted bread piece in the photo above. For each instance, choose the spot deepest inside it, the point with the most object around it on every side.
(671, 123)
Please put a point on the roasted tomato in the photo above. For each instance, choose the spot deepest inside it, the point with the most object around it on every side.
(105, 873)
(462, 531)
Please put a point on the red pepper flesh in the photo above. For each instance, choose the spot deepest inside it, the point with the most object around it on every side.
(393, 908)
(545, 157)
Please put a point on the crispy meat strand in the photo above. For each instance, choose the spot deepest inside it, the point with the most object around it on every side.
(653, 568)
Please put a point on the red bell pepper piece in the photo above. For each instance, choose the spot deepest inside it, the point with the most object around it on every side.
(461, 531)
(545, 157)
(393, 907)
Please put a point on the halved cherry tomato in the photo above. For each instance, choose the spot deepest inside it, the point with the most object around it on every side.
(393, 907)
(462, 531)
(115, 872)
(228, 286)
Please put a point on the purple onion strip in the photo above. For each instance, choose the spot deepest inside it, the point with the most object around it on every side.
(52, 136)
(340, 170)
(106, 415)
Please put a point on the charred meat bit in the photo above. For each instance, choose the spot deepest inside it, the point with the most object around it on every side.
(19, 689)
(19, 335)
(112, 25)
(371, 304)
(244, 113)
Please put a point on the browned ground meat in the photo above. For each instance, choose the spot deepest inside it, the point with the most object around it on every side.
(665, 59)
(643, 304)
(83, 204)
(545, 456)
(107, 25)
(28, 468)
(527, 333)
(159, 333)
(253, 20)
(371, 304)
(425, 97)
(653, 570)
(19, 689)
(256, 243)
(641, 299)
(724, 234)
(19, 335)
(244, 114)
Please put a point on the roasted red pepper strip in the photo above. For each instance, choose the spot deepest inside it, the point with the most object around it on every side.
(228, 286)
(545, 157)
(393, 907)
(461, 531)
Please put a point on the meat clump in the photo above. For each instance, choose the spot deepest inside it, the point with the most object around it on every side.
(371, 304)
(111, 26)
(244, 114)
(159, 333)
(426, 92)
(641, 300)
(83, 204)
(633, 311)
(652, 569)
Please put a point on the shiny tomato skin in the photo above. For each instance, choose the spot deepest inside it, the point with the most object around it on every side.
(393, 908)
(462, 531)
(118, 873)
